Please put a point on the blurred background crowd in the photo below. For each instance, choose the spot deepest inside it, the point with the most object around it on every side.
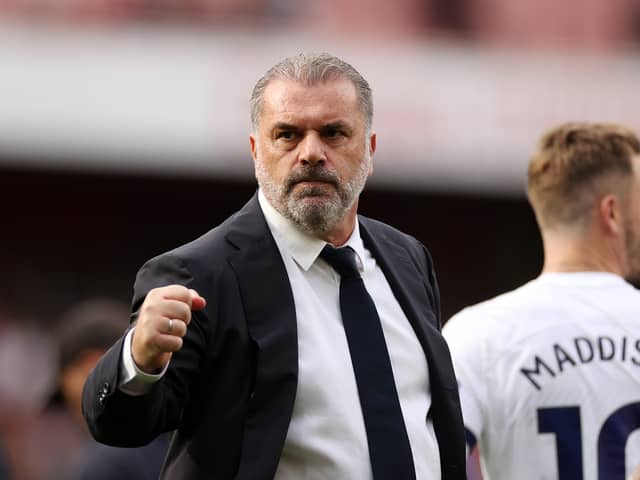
(117, 116)
(587, 24)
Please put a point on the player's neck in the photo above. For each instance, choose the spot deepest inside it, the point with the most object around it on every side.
(566, 253)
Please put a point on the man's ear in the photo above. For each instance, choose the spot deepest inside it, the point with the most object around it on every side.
(373, 139)
(372, 149)
(610, 215)
(254, 147)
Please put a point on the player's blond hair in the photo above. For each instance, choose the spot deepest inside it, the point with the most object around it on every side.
(574, 165)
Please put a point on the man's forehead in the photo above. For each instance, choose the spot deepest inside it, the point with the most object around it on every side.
(282, 89)
(333, 99)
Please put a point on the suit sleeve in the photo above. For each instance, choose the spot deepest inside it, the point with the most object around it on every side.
(118, 419)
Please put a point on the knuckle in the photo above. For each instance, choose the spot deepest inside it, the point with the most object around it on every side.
(179, 290)
(183, 330)
(145, 311)
(148, 308)
(174, 344)
(155, 340)
(151, 294)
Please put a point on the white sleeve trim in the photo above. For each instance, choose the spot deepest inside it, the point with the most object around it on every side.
(134, 381)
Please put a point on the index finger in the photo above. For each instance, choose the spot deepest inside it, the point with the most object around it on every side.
(176, 292)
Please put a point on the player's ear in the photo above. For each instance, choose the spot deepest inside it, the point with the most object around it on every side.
(609, 214)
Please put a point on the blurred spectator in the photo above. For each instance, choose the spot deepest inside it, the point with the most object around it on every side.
(85, 333)
(28, 367)
(591, 24)
(26, 355)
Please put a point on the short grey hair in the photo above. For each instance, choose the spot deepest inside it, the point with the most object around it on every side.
(311, 69)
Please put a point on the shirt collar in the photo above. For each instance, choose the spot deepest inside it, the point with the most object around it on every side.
(302, 247)
(583, 278)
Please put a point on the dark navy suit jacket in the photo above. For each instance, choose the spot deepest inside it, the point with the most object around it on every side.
(229, 392)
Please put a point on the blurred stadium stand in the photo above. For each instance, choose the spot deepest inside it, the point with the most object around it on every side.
(116, 116)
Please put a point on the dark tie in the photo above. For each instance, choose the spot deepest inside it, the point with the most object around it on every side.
(389, 449)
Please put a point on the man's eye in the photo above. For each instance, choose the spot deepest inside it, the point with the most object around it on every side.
(285, 135)
(333, 133)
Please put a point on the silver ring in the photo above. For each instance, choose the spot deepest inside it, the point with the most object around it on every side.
(170, 327)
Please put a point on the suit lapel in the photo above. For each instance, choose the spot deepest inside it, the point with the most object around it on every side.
(407, 285)
(271, 320)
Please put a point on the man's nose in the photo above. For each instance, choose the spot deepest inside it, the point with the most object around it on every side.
(312, 150)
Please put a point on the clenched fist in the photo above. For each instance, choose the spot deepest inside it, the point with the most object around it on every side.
(162, 322)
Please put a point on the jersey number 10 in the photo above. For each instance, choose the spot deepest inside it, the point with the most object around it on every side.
(564, 422)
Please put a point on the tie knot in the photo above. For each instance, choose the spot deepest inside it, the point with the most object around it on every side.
(343, 260)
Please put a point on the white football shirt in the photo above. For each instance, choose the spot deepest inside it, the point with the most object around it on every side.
(549, 378)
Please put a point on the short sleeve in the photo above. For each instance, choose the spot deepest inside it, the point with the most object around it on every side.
(464, 334)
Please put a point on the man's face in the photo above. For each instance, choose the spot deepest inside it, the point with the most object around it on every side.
(632, 226)
(312, 152)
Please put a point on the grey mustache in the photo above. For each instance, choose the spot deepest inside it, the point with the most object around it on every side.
(311, 175)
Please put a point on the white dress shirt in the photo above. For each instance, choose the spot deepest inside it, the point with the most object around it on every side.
(326, 437)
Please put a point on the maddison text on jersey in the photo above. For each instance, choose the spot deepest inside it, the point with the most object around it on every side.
(580, 351)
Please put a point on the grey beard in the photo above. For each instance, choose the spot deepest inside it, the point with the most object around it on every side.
(314, 217)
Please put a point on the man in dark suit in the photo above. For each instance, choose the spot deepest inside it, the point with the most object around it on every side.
(273, 354)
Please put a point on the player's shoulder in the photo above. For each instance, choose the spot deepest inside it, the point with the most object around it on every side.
(497, 313)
